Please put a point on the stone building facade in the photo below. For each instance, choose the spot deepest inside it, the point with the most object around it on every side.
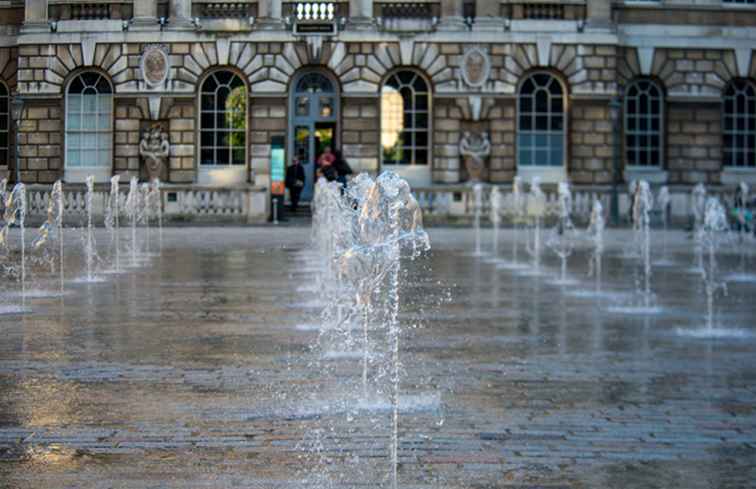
(394, 85)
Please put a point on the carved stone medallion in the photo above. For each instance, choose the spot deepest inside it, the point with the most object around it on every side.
(155, 65)
(476, 67)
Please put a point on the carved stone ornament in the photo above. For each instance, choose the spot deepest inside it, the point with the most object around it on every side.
(475, 149)
(476, 67)
(155, 65)
(155, 148)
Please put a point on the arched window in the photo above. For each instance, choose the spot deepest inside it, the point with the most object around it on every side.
(223, 119)
(739, 117)
(4, 125)
(644, 124)
(405, 119)
(541, 121)
(89, 123)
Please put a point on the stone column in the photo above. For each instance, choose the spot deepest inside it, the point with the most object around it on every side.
(181, 14)
(35, 15)
(361, 14)
(488, 16)
(269, 15)
(599, 13)
(451, 16)
(145, 14)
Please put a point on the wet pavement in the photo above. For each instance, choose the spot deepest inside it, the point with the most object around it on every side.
(196, 370)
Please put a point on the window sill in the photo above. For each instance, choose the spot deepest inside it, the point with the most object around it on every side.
(651, 174)
(547, 174)
(79, 175)
(416, 175)
(222, 176)
(734, 175)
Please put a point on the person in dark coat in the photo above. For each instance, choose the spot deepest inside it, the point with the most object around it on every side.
(342, 168)
(295, 179)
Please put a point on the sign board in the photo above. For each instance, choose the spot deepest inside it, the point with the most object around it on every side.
(277, 166)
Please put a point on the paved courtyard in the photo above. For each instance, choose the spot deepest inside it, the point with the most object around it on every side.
(197, 370)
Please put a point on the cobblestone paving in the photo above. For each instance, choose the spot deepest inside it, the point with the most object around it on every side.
(196, 371)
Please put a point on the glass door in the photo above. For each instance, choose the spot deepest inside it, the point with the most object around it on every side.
(313, 122)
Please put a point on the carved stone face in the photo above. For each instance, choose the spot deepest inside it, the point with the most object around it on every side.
(475, 66)
(155, 66)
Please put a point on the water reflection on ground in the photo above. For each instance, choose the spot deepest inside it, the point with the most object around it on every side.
(195, 371)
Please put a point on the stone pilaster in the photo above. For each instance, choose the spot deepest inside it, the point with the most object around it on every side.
(488, 16)
(35, 15)
(181, 14)
(145, 14)
(269, 15)
(452, 16)
(599, 13)
(361, 14)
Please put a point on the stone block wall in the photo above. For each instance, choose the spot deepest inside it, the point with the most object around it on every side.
(181, 124)
(447, 131)
(128, 117)
(590, 143)
(41, 142)
(503, 129)
(694, 143)
(360, 132)
(268, 118)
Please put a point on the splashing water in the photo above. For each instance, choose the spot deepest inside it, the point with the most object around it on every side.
(362, 234)
(698, 208)
(596, 233)
(641, 212)
(112, 221)
(89, 247)
(562, 237)
(662, 203)
(642, 205)
(715, 233)
(516, 211)
(144, 214)
(536, 208)
(15, 212)
(496, 206)
(54, 221)
(157, 210)
(478, 210)
(132, 210)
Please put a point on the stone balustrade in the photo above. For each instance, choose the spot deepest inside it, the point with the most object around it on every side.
(407, 16)
(545, 10)
(180, 203)
(70, 10)
(224, 10)
(455, 203)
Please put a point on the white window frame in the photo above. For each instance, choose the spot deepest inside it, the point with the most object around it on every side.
(648, 116)
(547, 173)
(79, 173)
(416, 174)
(222, 174)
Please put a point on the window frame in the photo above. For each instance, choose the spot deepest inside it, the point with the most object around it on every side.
(215, 130)
(565, 121)
(104, 169)
(748, 133)
(428, 129)
(648, 116)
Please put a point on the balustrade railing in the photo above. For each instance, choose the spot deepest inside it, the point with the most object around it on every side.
(180, 203)
(544, 10)
(315, 12)
(407, 16)
(71, 10)
(224, 9)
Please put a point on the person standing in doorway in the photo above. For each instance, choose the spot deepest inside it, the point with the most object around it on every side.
(295, 178)
(342, 168)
